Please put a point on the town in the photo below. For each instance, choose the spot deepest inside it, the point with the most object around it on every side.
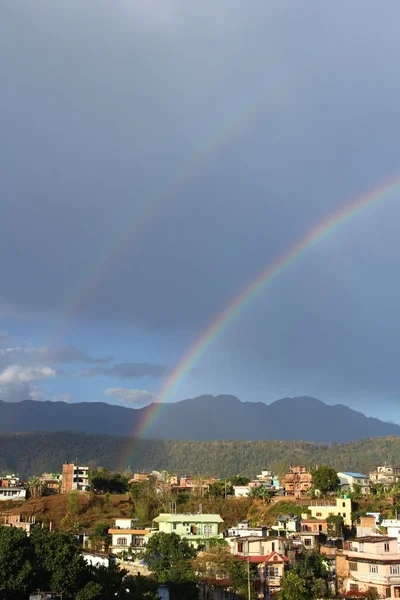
(343, 525)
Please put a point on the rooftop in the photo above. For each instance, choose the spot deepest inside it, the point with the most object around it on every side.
(373, 539)
(351, 474)
(182, 518)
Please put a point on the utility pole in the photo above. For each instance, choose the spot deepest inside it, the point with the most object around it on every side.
(248, 571)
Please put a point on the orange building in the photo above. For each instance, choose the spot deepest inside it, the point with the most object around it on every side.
(297, 482)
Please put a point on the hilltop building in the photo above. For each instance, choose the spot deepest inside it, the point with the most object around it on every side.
(74, 478)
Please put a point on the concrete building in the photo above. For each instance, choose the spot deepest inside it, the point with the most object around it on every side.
(74, 478)
(286, 525)
(244, 529)
(297, 482)
(12, 493)
(385, 475)
(194, 528)
(25, 523)
(127, 536)
(349, 481)
(258, 546)
(366, 526)
(336, 507)
(392, 527)
(373, 562)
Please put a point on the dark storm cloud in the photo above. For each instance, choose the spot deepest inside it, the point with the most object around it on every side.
(128, 370)
(116, 103)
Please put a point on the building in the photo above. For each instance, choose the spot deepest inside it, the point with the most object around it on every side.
(392, 527)
(336, 507)
(25, 523)
(51, 481)
(297, 482)
(385, 475)
(373, 562)
(241, 491)
(127, 536)
(244, 529)
(12, 493)
(74, 478)
(287, 525)
(97, 559)
(194, 528)
(350, 481)
(258, 546)
(366, 526)
(270, 570)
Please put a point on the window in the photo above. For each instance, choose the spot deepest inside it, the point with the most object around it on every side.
(395, 570)
(273, 571)
(174, 526)
(273, 547)
(121, 541)
(319, 527)
(344, 515)
(373, 568)
(354, 587)
(240, 547)
(319, 514)
(387, 547)
(307, 542)
(344, 504)
(353, 566)
(361, 547)
(208, 529)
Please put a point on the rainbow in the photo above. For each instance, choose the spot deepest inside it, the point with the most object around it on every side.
(246, 296)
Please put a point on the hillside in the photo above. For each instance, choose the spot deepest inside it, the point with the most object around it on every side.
(205, 418)
(33, 453)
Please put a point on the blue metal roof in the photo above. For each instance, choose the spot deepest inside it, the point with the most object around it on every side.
(354, 474)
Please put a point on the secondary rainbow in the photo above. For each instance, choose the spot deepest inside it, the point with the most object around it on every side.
(233, 309)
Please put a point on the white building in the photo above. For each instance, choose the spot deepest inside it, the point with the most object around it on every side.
(241, 491)
(12, 493)
(244, 529)
(393, 529)
(126, 536)
(349, 479)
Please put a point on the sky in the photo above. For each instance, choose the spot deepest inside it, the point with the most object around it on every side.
(156, 156)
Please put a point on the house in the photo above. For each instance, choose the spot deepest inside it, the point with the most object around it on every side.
(12, 493)
(195, 528)
(74, 478)
(25, 523)
(392, 527)
(244, 529)
(241, 491)
(270, 570)
(349, 482)
(258, 546)
(335, 507)
(125, 535)
(373, 562)
(367, 526)
(51, 481)
(297, 482)
(287, 525)
(385, 475)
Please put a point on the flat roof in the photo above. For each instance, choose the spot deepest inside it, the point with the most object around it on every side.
(188, 518)
(351, 474)
(373, 539)
(129, 531)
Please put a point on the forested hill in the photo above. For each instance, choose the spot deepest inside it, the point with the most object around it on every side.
(204, 418)
(33, 453)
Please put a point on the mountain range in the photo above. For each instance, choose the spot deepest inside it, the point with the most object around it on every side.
(204, 418)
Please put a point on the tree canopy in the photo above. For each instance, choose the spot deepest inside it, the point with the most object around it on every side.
(325, 479)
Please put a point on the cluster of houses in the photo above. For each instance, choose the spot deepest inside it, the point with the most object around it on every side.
(370, 560)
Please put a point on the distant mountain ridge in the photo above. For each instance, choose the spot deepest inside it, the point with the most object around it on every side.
(204, 418)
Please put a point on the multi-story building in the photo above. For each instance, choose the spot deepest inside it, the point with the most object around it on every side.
(297, 482)
(244, 529)
(258, 546)
(349, 482)
(392, 527)
(12, 491)
(74, 478)
(385, 475)
(126, 536)
(286, 525)
(335, 507)
(194, 528)
(25, 523)
(373, 562)
(51, 481)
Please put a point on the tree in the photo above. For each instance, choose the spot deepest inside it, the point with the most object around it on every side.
(58, 562)
(16, 564)
(261, 492)
(239, 480)
(312, 568)
(35, 487)
(335, 526)
(220, 489)
(325, 479)
(293, 588)
(169, 558)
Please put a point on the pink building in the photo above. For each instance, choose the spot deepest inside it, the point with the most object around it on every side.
(373, 563)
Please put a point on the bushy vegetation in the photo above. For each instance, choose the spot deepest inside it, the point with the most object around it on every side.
(30, 454)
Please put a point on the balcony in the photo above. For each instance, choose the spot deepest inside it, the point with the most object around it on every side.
(375, 578)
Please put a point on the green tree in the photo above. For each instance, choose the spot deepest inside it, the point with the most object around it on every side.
(239, 480)
(312, 568)
(335, 526)
(260, 492)
(59, 564)
(325, 479)
(35, 487)
(293, 588)
(169, 558)
(16, 564)
(91, 591)
(220, 489)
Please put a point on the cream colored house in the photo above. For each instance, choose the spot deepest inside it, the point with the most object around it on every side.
(336, 507)
(350, 480)
(125, 536)
(373, 563)
(257, 546)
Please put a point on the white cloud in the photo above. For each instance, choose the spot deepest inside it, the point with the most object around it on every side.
(132, 396)
(21, 374)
